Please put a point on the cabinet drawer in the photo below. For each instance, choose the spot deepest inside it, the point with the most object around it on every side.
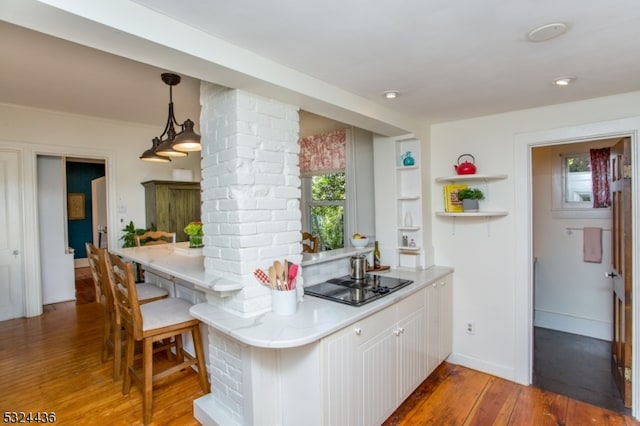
(371, 326)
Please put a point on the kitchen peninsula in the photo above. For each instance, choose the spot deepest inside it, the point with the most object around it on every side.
(314, 367)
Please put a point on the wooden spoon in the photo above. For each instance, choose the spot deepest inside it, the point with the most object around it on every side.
(272, 277)
(279, 273)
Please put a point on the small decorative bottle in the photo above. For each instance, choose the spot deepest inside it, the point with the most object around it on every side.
(376, 256)
(408, 219)
(412, 243)
(407, 159)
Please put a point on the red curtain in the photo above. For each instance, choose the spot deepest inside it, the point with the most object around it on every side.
(600, 177)
(323, 153)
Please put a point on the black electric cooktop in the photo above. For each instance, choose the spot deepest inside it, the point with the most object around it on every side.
(356, 292)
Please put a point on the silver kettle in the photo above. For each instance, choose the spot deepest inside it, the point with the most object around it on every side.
(358, 267)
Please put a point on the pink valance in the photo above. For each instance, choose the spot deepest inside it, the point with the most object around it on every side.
(323, 153)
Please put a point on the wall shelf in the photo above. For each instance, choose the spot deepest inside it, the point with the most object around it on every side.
(474, 177)
(473, 214)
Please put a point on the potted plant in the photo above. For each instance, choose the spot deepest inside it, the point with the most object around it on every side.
(194, 231)
(129, 240)
(130, 232)
(470, 197)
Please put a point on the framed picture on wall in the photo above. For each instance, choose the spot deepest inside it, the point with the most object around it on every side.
(75, 206)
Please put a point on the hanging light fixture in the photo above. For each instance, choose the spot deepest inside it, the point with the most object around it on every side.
(150, 154)
(175, 144)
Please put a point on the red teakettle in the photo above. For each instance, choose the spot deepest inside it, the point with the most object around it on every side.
(465, 168)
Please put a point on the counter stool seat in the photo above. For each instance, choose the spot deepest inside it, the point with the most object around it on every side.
(163, 320)
(112, 330)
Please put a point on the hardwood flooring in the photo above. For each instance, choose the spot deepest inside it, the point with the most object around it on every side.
(52, 363)
(85, 288)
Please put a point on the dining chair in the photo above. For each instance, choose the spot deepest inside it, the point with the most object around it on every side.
(112, 328)
(160, 321)
(155, 237)
(313, 245)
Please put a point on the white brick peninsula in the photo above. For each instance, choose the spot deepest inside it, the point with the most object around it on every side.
(328, 363)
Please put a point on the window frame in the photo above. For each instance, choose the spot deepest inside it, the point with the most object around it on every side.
(562, 209)
(307, 203)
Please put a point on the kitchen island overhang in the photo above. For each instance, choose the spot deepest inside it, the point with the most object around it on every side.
(267, 368)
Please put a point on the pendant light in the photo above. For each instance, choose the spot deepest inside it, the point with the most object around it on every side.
(188, 140)
(150, 154)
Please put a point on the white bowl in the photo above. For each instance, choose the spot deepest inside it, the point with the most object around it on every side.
(360, 242)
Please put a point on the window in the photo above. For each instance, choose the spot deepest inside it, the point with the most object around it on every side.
(324, 197)
(577, 186)
(571, 183)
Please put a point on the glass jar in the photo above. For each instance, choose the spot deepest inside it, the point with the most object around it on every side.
(195, 241)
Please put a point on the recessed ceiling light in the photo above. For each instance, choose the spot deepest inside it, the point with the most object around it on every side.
(563, 81)
(391, 94)
(547, 32)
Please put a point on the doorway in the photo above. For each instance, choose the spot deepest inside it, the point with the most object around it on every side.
(572, 309)
(65, 218)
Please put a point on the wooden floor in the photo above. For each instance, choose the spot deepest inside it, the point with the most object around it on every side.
(52, 363)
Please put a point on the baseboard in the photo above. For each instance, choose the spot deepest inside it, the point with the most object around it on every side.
(210, 413)
(506, 373)
(569, 324)
(81, 263)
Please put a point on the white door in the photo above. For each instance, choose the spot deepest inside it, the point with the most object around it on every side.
(99, 211)
(11, 260)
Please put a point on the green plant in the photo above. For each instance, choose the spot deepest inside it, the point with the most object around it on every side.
(194, 229)
(470, 194)
(130, 232)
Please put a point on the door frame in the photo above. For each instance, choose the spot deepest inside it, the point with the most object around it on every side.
(30, 239)
(523, 230)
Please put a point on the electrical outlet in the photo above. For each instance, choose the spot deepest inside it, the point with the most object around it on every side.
(471, 329)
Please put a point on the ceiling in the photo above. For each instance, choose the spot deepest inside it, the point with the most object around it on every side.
(449, 60)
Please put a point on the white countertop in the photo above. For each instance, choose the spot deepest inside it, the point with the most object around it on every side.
(315, 317)
(172, 260)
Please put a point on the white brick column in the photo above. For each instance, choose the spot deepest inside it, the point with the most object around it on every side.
(250, 191)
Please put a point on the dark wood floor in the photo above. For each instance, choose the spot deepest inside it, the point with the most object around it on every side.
(576, 366)
(52, 363)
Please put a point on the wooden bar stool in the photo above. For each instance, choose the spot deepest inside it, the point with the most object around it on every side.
(112, 329)
(155, 237)
(157, 321)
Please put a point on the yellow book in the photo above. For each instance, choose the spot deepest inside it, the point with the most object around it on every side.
(451, 202)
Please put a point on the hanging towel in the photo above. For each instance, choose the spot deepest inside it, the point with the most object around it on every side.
(592, 244)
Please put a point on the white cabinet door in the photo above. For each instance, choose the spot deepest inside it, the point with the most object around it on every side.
(439, 298)
(412, 348)
(369, 368)
(341, 392)
(377, 365)
(433, 326)
(445, 290)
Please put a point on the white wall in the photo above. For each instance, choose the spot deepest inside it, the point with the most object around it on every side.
(489, 289)
(570, 294)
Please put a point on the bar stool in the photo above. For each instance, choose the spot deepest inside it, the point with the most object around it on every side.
(112, 328)
(155, 237)
(157, 321)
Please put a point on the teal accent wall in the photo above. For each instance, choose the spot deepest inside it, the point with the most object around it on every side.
(79, 177)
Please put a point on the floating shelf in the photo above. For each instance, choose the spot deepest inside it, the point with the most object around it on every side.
(408, 198)
(408, 228)
(461, 178)
(472, 214)
(408, 248)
